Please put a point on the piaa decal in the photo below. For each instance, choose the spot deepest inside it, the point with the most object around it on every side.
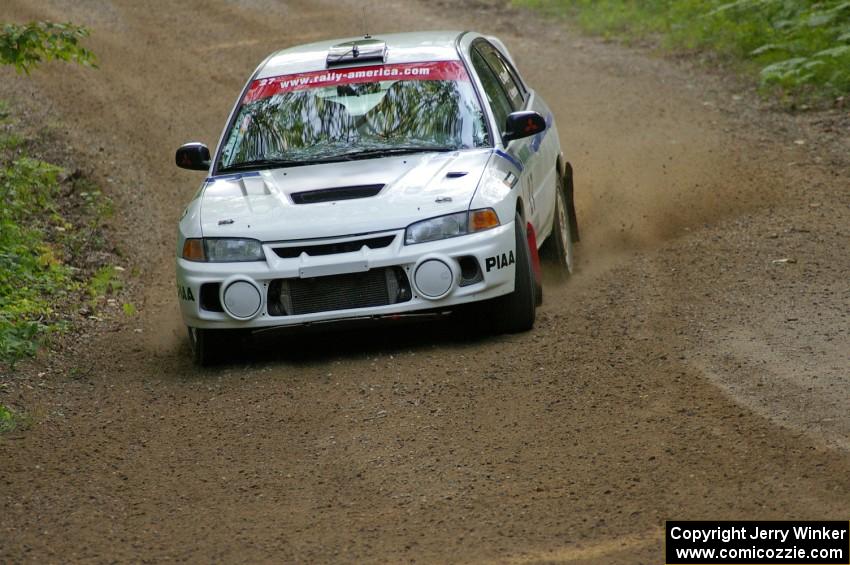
(185, 293)
(499, 261)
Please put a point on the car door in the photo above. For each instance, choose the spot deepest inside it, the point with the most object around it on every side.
(506, 93)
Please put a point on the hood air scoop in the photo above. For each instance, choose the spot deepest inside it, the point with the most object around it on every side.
(333, 194)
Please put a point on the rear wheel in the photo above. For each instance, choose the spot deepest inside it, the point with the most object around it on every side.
(558, 250)
(515, 312)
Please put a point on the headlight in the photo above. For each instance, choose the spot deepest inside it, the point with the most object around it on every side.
(436, 228)
(451, 225)
(223, 250)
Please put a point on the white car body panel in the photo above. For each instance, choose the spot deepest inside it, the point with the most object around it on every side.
(261, 207)
(258, 204)
(482, 245)
(403, 48)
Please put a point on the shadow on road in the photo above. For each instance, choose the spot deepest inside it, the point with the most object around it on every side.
(322, 343)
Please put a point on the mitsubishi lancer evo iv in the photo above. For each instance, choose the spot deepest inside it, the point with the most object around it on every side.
(375, 177)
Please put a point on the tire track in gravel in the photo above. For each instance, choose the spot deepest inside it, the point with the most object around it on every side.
(569, 443)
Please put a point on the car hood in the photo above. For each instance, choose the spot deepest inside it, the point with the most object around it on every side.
(259, 204)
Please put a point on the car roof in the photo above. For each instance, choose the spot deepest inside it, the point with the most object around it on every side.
(411, 47)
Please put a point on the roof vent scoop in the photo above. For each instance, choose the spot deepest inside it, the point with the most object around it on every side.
(359, 51)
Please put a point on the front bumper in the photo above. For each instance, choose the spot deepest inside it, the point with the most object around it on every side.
(426, 267)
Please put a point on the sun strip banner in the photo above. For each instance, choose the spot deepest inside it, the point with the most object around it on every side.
(435, 70)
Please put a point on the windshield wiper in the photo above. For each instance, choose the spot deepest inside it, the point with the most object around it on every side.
(385, 151)
(277, 163)
(255, 164)
(262, 164)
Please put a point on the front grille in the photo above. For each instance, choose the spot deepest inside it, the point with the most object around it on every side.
(376, 287)
(334, 194)
(333, 248)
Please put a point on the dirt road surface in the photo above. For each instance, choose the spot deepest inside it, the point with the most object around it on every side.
(682, 374)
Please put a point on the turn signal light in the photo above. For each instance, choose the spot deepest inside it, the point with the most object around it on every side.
(483, 219)
(193, 249)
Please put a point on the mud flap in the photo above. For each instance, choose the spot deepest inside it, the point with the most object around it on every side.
(571, 207)
(535, 264)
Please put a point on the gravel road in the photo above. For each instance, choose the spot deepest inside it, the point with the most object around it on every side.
(686, 372)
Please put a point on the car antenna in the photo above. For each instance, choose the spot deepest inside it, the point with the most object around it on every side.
(363, 22)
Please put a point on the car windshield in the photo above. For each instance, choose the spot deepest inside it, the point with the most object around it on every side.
(355, 113)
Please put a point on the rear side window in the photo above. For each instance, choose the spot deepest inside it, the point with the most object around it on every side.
(505, 73)
(496, 96)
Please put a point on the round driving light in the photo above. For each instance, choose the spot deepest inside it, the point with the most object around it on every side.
(242, 299)
(433, 278)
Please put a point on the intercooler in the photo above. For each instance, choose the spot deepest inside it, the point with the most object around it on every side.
(376, 287)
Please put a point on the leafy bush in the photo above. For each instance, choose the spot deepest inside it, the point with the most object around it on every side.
(32, 278)
(799, 46)
(48, 221)
(7, 419)
(26, 45)
(105, 281)
(11, 420)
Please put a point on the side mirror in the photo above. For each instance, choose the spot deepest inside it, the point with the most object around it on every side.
(193, 156)
(522, 124)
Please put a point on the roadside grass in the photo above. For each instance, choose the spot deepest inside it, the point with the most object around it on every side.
(50, 221)
(43, 231)
(32, 277)
(797, 49)
(106, 280)
(11, 420)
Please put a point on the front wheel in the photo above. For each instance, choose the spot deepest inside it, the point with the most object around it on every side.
(515, 312)
(210, 347)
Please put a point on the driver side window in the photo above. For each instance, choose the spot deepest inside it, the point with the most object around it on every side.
(496, 96)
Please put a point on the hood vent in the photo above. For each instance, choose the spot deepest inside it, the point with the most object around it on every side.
(334, 194)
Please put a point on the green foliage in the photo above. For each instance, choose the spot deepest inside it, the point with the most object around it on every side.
(36, 242)
(105, 281)
(18, 339)
(32, 277)
(10, 141)
(7, 419)
(27, 45)
(11, 420)
(800, 46)
(93, 209)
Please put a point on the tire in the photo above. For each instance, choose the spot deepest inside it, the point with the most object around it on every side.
(210, 347)
(559, 250)
(515, 312)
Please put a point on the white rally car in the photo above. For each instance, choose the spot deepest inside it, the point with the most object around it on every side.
(370, 178)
